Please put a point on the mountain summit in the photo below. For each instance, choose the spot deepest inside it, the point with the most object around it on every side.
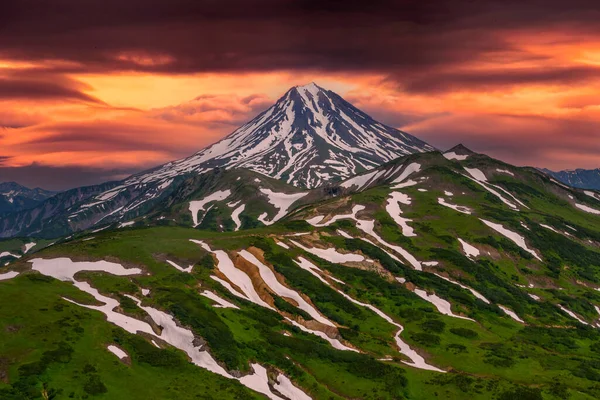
(309, 137)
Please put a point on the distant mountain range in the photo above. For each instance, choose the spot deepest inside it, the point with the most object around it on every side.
(15, 197)
(581, 178)
(309, 138)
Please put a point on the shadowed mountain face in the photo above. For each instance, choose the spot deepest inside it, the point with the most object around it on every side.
(309, 138)
(14, 197)
(581, 178)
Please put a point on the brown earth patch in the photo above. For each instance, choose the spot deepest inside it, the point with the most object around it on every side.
(252, 271)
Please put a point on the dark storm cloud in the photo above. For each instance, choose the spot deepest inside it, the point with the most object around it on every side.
(39, 90)
(492, 79)
(37, 84)
(242, 35)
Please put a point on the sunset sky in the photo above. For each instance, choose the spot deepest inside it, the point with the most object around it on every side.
(96, 90)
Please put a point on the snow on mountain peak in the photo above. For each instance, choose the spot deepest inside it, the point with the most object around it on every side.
(311, 88)
(310, 137)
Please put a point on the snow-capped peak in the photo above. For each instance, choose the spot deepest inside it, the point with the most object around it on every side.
(310, 137)
(311, 88)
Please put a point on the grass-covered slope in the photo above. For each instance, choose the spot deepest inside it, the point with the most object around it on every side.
(435, 277)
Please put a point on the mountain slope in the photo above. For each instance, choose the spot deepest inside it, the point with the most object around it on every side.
(225, 200)
(581, 178)
(433, 276)
(15, 197)
(310, 137)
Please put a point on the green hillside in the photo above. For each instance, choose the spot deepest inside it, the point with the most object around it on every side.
(430, 277)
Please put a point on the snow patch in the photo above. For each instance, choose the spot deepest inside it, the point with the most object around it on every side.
(117, 351)
(453, 156)
(188, 269)
(408, 183)
(430, 263)
(476, 174)
(316, 271)
(8, 275)
(318, 220)
(235, 216)
(330, 254)
(281, 201)
(587, 209)
(198, 205)
(469, 250)
(359, 181)
(593, 195)
(336, 344)
(287, 388)
(29, 246)
(393, 209)
(443, 306)
(9, 254)
(511, 314)
(409, 170)
(462, 209)
(505, 171)
(417, 360)
(221, 303)
(572, 314)
(473, 291)
(515, 237)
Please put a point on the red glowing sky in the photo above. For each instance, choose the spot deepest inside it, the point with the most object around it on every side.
(95, 92)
